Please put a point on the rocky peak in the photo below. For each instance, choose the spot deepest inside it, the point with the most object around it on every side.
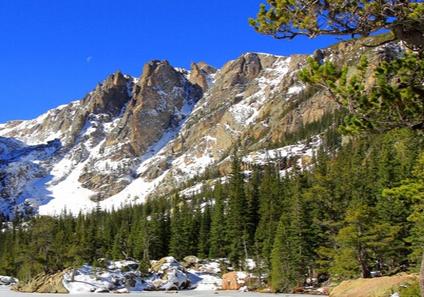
(127, 140)
(110, 96)
(158, 100)
(200, 73)
(119, 79)
(241, 70)
(251, 65)
(158, 73)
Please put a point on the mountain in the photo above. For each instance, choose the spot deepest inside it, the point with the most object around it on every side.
(130, 138)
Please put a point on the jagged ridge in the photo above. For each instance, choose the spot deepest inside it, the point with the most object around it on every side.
(129, 137)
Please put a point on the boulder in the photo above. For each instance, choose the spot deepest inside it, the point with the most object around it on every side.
(235, 280)
(175, 279)
(190, 261)
(7, 280)
(230, 281)
(169, 274)
(165, 263)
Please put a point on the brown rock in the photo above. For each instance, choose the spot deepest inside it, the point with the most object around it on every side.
(159, 93)
(230, 281)
(199, 73)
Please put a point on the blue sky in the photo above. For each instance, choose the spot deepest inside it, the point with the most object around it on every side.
(55, 51)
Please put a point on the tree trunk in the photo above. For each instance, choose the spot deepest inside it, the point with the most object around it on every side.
(422, 276)
(362, 257)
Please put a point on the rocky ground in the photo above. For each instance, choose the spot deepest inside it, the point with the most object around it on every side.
(166, 274)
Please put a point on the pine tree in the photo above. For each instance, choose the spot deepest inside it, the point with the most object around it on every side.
(204, 229)
(269, 211)
(237, 227)
(253, 202)
(218, 232)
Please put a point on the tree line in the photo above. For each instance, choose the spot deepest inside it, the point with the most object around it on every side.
(356, 210)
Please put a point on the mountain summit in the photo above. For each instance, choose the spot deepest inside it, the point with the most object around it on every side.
(131, 137)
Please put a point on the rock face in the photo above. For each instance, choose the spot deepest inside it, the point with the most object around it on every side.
(159, 98)
(201, 74)
(134, 137)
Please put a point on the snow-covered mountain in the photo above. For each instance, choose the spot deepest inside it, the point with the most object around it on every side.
(132, 137)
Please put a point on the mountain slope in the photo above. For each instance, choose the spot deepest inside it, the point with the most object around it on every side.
(132, 137)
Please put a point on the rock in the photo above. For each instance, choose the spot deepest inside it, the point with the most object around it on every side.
(190, 261)
(234, 280)
(109, 97)
(128, 131)
(7, 280)
(230, 281)
(44, 283)
(199, 75)
(160, 91)
(169, 274)
(174, 279)
(101, 290)
(164, 264)
(244, 289)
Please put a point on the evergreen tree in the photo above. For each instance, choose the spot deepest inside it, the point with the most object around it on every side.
(237, 226)
(218, 233)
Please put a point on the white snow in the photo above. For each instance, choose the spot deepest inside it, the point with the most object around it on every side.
(53, 185)
(171, 275)
(7, 280)
(295, 89)
(27, 129)
(247, 110)
(263, 157)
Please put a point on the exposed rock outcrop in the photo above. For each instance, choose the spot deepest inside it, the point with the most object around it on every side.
(201, 75)
(132, 138)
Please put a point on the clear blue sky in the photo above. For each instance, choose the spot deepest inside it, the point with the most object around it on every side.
(55, 51)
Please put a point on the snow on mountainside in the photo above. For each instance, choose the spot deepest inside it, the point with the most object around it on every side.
(134, 137)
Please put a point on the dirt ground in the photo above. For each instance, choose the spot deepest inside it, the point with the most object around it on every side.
(372, 287)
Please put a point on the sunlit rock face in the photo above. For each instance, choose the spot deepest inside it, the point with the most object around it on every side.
(130, 138)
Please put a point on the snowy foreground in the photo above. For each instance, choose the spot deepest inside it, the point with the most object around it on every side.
(191, 277)
(124, 277)
(5, 292)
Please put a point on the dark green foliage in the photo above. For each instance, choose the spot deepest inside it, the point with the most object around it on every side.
(286, 19)
(391, 96)
(352, 212)
(289, 252)
(237, 215)
(218, 238)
